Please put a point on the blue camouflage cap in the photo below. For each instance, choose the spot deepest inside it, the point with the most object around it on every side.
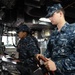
(23, 28)
(52, 9)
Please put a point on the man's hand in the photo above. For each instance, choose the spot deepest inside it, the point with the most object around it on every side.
(50, 65)
(38, 55)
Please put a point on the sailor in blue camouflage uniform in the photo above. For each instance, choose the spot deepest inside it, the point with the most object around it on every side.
(27, 50)
(61, 45)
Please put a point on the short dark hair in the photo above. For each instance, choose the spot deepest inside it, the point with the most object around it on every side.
(61, 10)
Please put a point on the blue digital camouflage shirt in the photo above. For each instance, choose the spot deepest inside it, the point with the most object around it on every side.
(27, 50)
(61, 49)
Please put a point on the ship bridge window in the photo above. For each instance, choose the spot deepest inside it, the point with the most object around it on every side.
(10, 39)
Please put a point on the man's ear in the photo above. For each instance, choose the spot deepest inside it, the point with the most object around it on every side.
(61, 13)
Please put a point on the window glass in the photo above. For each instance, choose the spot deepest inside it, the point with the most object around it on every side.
(9, 40)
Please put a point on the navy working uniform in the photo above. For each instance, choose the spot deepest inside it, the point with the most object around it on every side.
(27, 50)
(61, 49)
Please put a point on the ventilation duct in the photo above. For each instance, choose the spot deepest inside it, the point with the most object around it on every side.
(8, 3)
(35, 12)
(34, 3)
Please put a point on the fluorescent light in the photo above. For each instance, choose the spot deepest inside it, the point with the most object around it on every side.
(44, 19)
(13, 32)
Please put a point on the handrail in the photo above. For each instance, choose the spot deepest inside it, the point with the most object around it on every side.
(44, 59)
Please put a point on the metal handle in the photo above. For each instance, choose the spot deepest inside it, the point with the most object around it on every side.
(44, 59)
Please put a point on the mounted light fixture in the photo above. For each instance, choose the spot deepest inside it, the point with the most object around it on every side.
(1, 14)
(44, 19)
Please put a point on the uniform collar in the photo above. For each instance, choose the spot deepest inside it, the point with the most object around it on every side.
(63, 28)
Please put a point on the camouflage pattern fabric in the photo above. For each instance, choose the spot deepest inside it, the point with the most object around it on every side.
(61, 49)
